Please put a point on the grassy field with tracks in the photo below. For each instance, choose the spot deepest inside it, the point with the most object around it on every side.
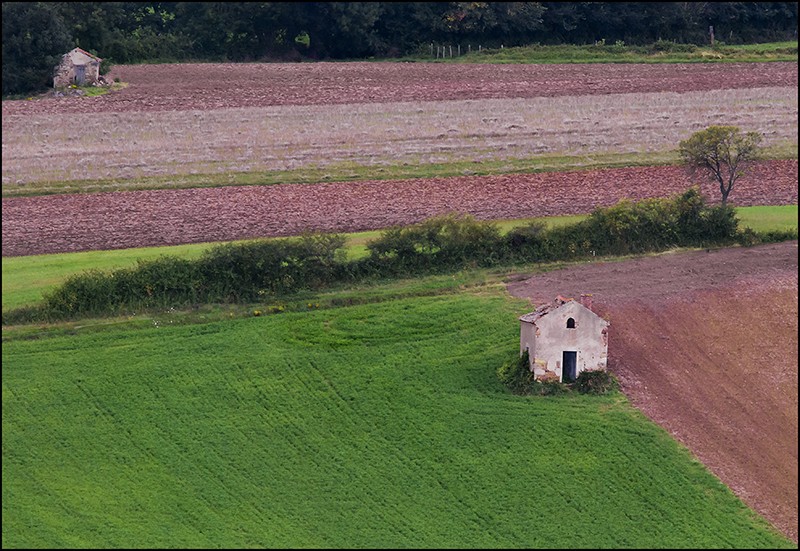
(368, 426)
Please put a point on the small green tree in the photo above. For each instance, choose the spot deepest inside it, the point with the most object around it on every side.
(722, 152)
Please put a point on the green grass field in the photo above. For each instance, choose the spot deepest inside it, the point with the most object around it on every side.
(26, 278)
(622, 53)
(379, 426)
(767, 218)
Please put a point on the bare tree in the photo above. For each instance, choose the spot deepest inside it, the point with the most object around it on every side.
(723, 153)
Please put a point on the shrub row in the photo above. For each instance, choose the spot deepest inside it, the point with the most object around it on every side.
(626, 228)
(261, 270)
(229, 273)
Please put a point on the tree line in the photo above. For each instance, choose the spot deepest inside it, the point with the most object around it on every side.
(35, 34)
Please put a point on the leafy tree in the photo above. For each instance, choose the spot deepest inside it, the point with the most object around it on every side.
(505, 22)
(340, 30)
(34, 39)
(722, 152)
(126, 32)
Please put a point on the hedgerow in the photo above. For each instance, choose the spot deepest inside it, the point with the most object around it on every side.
(262, 270)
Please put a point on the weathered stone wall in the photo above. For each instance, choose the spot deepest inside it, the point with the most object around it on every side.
(65, 71)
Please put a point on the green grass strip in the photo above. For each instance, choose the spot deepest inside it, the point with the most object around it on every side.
(662, 52)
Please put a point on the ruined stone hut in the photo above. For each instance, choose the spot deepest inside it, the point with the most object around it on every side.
(77, 67)
(564, 338)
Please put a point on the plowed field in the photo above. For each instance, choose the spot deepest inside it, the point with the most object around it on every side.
(179, 87)
(68, 223)
(705, 344)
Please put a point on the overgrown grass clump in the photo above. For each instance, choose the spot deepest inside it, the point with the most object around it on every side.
(596, 382)
(264, 270)
(516, 374)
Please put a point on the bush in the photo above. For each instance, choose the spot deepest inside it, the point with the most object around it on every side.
(226, 273)
(628, 227)
(236, 272)
(164, 281)
(595, 382)
(748, 237)
(316, 260)
(516, 374)
(528, 243)
(719, 225)
(87, 293)
(248, 271)
(638, 227)
(550, 388)
(442, 242)
(567, 242)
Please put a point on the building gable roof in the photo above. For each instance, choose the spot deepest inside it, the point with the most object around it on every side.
(540, 312)
(79, 56)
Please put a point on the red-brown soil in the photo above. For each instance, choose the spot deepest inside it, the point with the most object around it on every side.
(174, 87)
(705, 344)
(68, 223)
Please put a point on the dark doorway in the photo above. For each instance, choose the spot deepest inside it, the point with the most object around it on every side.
(80, 74)
(570, 363)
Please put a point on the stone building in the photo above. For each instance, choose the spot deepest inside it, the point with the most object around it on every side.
(564, 338)
(77, 67)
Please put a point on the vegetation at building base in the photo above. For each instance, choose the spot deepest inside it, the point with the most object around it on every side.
(596, 382)
(375, 426)
(36, 33)
(266, 270)
(517, 376)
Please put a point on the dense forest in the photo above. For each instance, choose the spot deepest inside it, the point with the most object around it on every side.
(35, 34)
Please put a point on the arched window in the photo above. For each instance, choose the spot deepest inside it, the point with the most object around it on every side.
(571, 323)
